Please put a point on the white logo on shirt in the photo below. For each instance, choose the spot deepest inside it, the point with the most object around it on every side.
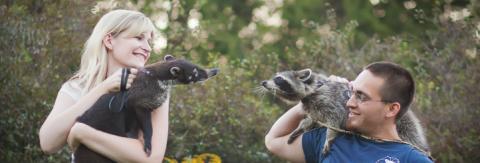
(388, 159)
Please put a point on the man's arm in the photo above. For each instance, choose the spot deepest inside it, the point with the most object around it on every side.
(276, 138)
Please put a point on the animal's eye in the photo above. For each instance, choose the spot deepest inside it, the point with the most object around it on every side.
(319, 83)
(347, 94)
(283, 84)
(195, 72)
(278, 79)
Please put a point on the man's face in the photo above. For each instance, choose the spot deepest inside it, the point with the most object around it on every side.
(367, 113)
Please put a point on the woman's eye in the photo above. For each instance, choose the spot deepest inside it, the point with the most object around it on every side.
(139, 37)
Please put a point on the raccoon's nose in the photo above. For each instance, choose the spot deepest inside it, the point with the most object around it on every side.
(264, 83)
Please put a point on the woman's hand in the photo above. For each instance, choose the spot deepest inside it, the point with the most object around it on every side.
(112, 83)
(72, 139)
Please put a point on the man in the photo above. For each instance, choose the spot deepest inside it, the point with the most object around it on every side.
(381, 93)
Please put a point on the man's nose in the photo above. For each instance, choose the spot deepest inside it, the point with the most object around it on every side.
(351, 102)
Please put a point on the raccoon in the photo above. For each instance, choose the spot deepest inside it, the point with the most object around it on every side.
(149, 91)
(325, 101)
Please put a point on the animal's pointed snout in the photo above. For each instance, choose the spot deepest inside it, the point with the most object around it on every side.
(213, 72)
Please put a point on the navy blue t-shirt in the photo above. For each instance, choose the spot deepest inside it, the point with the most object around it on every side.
(353, 148)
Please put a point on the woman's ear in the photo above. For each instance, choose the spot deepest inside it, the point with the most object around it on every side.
(107, 41)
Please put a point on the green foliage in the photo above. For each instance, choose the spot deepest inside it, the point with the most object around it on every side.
(33, 67)
(41, 43)
(34, 63)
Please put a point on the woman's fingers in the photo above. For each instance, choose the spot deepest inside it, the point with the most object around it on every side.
(114, 81)
(131, 77)
(129, 82)
(133, 71)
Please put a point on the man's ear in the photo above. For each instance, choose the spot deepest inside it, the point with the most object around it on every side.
(393, 109)
(107, 41)
(175, 71)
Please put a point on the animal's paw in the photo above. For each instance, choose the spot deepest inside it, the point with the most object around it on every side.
(291, 139)
(326, 149)
(294, 135)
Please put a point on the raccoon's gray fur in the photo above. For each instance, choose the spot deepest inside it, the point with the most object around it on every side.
(325, 101)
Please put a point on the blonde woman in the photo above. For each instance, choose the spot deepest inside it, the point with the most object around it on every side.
(120, 39)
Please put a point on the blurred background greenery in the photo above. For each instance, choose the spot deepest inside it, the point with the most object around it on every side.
(249, 40)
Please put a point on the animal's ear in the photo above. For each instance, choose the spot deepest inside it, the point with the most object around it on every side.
(168, 57)
(305, 74)
(175, 71)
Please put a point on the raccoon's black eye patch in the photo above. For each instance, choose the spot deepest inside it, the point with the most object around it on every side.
(282, 84)
(278, 80)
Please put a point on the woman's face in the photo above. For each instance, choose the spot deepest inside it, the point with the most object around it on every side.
(130, 51)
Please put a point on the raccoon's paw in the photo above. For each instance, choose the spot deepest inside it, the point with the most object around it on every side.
(294, 135)
(291, 139)
(326, 149)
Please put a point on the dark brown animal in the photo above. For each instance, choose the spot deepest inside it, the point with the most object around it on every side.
(149, 91)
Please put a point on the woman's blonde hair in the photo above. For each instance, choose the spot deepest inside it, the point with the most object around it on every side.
(93, 66)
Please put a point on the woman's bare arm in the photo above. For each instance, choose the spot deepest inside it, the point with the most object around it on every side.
(54, 131)
(122, 149)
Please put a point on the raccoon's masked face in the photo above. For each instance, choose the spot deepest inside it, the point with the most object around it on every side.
(292, 86)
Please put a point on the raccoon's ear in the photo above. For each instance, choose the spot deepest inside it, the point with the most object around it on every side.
(175, 71)
(168, 57)
(305, 74)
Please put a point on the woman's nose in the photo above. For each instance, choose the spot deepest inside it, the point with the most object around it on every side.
(146, 47)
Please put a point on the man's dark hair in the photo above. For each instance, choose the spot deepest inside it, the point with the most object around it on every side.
(398, 85)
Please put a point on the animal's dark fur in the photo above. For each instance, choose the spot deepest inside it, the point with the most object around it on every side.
(325, 101)
(149, 91)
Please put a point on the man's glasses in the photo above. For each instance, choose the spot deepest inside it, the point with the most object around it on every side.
(361, 97)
